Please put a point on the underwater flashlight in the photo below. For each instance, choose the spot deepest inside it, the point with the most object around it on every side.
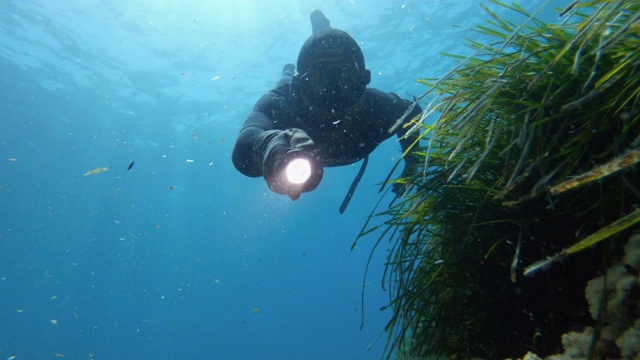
(301, 171)
(298, 171)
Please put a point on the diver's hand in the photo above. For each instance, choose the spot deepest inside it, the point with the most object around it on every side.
(402, 186)
(271, 148)
(397, 188)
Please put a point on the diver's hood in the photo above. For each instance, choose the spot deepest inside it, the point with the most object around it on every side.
(331, 71)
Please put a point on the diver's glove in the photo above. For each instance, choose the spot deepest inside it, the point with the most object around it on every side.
(274, 149)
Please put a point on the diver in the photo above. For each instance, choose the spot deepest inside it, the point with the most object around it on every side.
(320, 115)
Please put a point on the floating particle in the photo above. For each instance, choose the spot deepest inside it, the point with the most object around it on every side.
(216, 281)
(12, 159)
(190, 160)
(256, 310)
(130, 166)
(53, 322)
(171, 188)
(217, 77)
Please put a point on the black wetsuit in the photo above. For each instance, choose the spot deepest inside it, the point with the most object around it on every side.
(340, 138)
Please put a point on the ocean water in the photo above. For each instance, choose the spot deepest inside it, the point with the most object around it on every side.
(182, 257)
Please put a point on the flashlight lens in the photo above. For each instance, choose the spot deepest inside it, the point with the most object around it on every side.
(298, 171)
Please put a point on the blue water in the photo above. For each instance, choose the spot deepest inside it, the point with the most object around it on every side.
(182, 257)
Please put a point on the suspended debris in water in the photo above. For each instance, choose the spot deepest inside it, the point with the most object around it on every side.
(130, 165)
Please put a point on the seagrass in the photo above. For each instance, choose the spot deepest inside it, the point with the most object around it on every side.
(527, 148)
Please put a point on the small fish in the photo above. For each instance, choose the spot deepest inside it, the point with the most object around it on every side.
(96, 171)
(130, 165)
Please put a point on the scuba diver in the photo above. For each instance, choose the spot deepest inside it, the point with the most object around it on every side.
(321, 115)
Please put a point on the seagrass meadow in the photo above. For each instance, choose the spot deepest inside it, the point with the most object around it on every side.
(515, 234)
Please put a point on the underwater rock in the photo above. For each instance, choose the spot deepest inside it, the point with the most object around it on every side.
(614, 300)
(629, 342)
(531, 356)
(620, 291)
(575, 344)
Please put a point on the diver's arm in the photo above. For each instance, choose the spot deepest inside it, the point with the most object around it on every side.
(243, 156)
(261, 150)
(244, 153)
